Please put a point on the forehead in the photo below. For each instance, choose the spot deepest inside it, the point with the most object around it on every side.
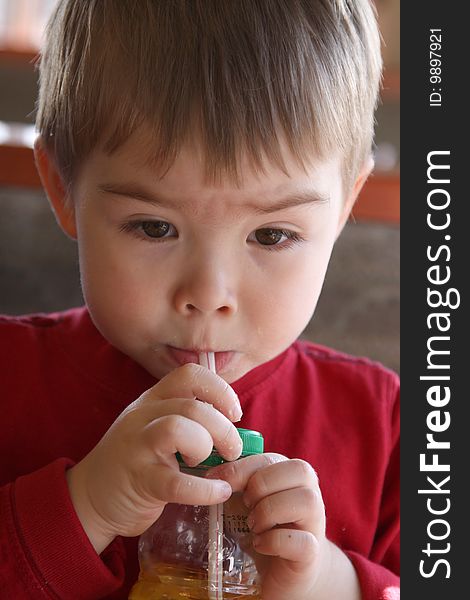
(186, 177)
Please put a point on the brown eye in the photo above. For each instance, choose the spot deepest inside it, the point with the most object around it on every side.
(269, 237)
(155, 229)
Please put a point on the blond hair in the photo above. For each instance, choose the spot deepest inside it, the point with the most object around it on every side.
(241, 75)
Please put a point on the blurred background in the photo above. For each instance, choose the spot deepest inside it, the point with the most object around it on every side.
(358, 311)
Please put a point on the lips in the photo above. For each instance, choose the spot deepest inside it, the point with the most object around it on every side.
(181, 357)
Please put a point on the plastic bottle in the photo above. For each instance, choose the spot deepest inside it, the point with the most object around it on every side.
(175, 553)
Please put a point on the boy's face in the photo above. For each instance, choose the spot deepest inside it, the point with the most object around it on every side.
(173, 266)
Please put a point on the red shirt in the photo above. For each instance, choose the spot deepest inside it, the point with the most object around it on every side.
(62, 385)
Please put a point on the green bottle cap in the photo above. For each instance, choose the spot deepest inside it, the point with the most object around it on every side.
(253, 443)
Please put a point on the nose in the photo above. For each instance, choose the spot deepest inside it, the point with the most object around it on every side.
(206, 287)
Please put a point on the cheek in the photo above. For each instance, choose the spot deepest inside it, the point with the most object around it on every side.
(123, 308)
(113, 280)
(286, 304)
(298, 296)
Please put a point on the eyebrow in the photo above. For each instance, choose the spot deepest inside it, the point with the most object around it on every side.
(137, 192)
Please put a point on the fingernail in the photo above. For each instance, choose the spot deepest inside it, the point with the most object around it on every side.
(256, 540)
(239, 410)
(250, 521)
(235, 414)
(224, 489)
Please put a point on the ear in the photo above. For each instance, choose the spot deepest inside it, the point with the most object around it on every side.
(55, 190)
(352, 197)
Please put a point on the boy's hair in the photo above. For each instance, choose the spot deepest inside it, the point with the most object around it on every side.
(242, 77)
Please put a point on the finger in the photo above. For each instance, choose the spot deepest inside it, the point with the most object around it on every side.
(302, 507)
(166, 484)
(288, 474)
(290, 544)
(195, 381)
(239, 473)
(174, 433)
(221, 432)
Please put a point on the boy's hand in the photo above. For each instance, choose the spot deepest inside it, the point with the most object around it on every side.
(287, 518)
(123, 484)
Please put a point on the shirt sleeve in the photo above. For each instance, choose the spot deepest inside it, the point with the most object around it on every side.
(376, 582)
(44, 551)
(379, 573)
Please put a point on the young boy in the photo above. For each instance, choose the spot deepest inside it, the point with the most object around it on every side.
(205, 154)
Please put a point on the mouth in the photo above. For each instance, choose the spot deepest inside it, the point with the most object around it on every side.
(181, 356)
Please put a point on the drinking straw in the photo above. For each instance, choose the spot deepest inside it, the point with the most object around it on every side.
(216, 521)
